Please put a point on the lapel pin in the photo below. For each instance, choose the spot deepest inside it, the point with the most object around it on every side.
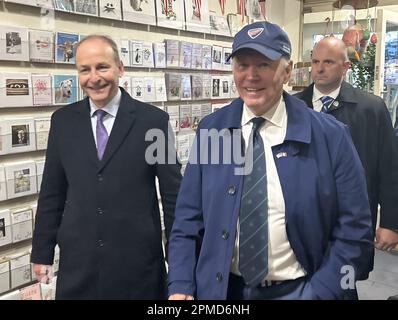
(336, 103)
(281, 154)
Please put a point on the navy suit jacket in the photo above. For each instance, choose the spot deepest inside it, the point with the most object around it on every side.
(104, 215)
(327, 212)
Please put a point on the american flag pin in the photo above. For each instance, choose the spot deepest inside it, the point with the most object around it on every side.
(281, 154)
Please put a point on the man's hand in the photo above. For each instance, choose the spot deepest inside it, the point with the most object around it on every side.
(44, 273)
(386, 239)
(179, 296)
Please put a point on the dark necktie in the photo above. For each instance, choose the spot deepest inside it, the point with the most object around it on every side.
(326, 102)
(253, 217)
(102, 134)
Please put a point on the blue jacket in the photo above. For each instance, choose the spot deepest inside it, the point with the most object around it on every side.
(327, 213)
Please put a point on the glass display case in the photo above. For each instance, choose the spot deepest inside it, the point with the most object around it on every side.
(386, 66)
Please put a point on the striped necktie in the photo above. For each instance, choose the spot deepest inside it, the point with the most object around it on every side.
(102, 134)
(253, 216)
(326, 102)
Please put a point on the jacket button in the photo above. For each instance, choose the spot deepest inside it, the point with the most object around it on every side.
(225, 234)
(219, 277)
(100, 211)
(231, 190)
(100, 243)
(100, 178)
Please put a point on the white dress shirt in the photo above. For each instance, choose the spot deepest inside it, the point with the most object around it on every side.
(317, 95)
(111, 108)
(282, 263)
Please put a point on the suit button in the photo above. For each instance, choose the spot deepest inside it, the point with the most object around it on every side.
(100, 178)
(231, 190)
(100, 243)
(219, 276)
(100, 211)
(225, 234)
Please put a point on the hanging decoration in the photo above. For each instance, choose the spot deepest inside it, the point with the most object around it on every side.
(253, 10)
(329, 26)
(356, 37)
(327, 33)
(165, 7)
(353, 37)
(262, 8)
(242, 8)
(222, 6)
(198, 9)
(333, 14)
(373, 37)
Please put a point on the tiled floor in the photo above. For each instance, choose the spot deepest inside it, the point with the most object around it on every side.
(383, 281)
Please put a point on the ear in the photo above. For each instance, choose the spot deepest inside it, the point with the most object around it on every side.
(288, 72)
(346, 66)
(121, 69)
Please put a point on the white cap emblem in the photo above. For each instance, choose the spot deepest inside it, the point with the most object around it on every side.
(254, 33)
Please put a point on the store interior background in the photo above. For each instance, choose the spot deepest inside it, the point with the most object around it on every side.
(301, 19)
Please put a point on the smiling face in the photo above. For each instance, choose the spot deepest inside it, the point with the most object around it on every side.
(98, 70)
(259, 80)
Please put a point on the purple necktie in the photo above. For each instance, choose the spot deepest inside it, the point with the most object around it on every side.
(102, 134)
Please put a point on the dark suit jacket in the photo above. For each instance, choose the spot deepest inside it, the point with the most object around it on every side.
(104, 215)
(370, 126)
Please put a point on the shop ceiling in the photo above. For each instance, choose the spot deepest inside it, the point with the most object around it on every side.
(326, 5)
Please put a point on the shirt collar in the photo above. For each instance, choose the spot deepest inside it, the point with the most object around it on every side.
(274, 115)
(111, 107)
(317, 95)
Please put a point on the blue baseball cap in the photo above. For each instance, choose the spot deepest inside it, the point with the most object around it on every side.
(264, 37)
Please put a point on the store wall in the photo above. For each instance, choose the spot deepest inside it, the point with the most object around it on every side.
(287, 13)
(28, 17)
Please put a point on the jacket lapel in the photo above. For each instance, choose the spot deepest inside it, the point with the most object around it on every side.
(347, 94)
(84, 131)
(124, 120)
(307, 94)
(298, 136)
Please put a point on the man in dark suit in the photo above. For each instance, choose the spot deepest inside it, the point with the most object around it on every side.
(370, 126)
(98, 198)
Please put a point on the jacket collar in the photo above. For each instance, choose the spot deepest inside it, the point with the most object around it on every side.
(125, 103)
(123, 122)
(298, 118)
(347, 93)
(231, 119)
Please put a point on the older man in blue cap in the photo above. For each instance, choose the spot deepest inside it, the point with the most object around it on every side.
(289, 221)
